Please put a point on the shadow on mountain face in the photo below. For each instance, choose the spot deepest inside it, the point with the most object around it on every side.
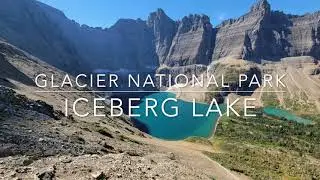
(8, 71)
(247, 88)
(6, 83)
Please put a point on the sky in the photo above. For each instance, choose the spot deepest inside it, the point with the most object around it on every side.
(104, 13)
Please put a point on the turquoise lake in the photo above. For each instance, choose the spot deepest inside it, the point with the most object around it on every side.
(185, 125)
(180, 127)
(279, 113)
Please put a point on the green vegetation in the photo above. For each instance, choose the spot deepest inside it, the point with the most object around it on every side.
(267, 148)
(263, 163)
(301, 105)
(270, 99)
(199, 140)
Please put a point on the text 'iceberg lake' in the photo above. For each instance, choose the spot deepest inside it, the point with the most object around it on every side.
(180, 127)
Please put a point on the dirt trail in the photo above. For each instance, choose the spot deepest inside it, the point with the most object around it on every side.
(191, 155)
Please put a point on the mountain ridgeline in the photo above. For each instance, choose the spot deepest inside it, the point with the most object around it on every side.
(159, 41)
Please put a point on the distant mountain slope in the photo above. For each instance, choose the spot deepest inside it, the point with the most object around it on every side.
(25, 24)
(127, 45)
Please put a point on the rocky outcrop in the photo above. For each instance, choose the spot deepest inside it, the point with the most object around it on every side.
(11, 102)
(183, 47)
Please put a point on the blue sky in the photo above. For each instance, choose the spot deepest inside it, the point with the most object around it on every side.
(104, 13)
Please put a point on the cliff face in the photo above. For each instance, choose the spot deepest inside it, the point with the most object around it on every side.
(192, 42)
(284, 35)
(146, 45)
(305, 35)
(266, 34)
(239, 37)
(164, 30)
(182, 43)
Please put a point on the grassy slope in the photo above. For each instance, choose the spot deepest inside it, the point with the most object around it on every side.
(268, 148)
(265, 148)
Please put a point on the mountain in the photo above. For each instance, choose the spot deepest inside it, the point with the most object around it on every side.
(182, 43)
(126, 45)
(266, 34)
(25, 24)
(160, 41)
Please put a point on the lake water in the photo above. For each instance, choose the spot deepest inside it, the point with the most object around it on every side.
(279, 113)
(185, 125)
(180, 127)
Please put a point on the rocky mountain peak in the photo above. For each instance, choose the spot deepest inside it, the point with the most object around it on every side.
(193, 22)
(261, 5)
(160, 13)
(158, 17)
(164, 30)
(196, 18)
